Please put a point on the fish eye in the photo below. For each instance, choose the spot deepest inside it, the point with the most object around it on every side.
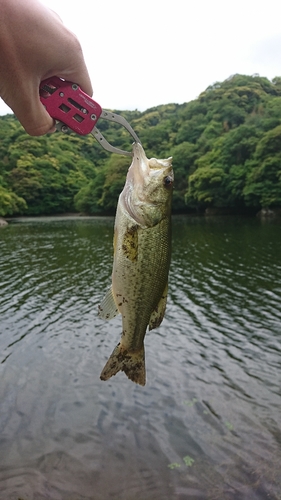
(168, 181)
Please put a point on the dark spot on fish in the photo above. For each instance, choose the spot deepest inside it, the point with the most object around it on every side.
(130, 243)
(133, 371)
(153, 324)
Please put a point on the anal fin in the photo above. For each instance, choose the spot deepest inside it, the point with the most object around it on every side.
(157, 315)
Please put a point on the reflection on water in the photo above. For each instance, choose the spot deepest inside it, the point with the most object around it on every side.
(208, 423)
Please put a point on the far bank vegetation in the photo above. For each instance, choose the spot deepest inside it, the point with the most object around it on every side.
(226, 148)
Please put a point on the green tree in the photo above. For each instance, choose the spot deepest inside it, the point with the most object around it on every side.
(263, 185)
(206, 187)
(88, 199)
(10, 203)
(225, 146)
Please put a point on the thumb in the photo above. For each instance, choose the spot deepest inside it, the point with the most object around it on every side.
(82, 78)
(78, 74)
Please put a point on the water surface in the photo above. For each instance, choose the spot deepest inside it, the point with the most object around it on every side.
(208, 423)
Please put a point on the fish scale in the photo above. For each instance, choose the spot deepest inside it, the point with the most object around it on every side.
(144, 293)
(142, 252)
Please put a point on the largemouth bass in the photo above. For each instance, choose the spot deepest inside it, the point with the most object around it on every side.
(142, 252)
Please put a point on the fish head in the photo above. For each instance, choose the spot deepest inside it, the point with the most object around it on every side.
(148, 190)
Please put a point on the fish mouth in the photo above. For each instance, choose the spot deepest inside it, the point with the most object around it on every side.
(138, 152)
(142, 195)
(139, 168)
(145, 164)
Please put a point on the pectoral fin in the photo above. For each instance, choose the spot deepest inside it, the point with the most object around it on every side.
(158, 313)
(108, 308)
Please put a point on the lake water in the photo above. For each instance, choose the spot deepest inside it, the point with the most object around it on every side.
(207, 425)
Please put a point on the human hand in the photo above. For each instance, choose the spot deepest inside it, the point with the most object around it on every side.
(34, 45)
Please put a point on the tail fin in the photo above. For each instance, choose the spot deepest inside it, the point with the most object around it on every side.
(132, 363)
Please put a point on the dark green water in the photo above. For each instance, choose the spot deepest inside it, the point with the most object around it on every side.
(208, 423)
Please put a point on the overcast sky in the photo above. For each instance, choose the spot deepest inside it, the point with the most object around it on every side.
(142, 54)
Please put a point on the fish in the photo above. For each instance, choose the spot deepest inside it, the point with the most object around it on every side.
(141, 261)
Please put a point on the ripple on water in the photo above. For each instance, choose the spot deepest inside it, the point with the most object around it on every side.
(206, 425)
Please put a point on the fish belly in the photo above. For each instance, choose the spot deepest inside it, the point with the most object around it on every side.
(139, 278)
(140, 274)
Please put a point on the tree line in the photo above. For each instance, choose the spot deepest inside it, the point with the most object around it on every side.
(226, 148)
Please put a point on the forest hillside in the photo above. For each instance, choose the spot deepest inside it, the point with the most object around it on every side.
(226, 148)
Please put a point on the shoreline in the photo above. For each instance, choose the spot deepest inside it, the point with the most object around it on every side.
(264, 213)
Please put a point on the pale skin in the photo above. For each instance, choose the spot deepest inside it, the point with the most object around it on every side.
(35, 45)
